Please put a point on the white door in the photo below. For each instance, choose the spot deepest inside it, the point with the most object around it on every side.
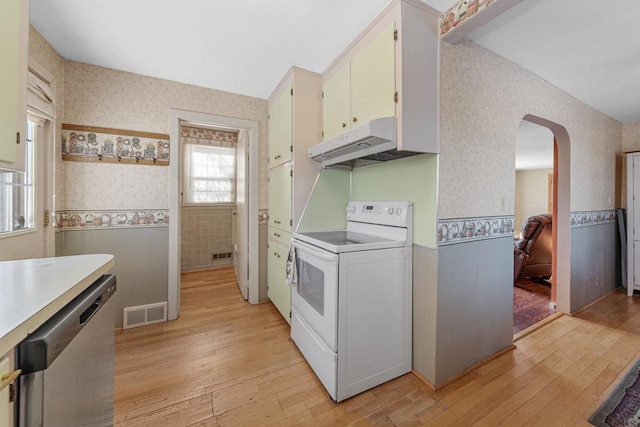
(241, 241)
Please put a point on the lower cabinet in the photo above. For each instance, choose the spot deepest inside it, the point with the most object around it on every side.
(278, 291)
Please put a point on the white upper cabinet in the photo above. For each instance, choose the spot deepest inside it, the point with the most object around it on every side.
(280, 142)
(391, 69)
(335, 104)
(373, 79)
(362, 89)
(14, 34)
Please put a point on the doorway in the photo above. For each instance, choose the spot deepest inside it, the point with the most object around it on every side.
(533, 220)
(246, 210)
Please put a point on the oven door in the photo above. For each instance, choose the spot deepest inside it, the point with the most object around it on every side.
(315, 296)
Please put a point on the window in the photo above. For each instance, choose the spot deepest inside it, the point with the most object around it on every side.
(209, 174)
(17, 191)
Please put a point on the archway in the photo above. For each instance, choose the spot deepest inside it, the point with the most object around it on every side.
(561, 272)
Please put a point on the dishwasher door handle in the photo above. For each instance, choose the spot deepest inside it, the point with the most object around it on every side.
(89, 312)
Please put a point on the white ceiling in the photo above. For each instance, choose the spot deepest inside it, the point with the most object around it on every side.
(590, 49)
(240, 46)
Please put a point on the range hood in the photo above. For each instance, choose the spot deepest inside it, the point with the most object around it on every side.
(372, 142)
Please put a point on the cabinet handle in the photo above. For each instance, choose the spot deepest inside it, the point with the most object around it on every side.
(9, 378)
(355, 119)
(276, 234)
(277, 254)
(277, 156)
(276, 221)
(344, 125)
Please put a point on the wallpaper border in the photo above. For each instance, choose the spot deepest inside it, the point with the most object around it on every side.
(459, 230)
(589, 218)
(111, 218)
(462, 230)
(118, 218)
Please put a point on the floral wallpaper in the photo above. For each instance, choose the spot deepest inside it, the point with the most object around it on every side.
(131, 101)
(483, 98)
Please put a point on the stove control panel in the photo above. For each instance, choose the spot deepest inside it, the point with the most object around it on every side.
(397, 214)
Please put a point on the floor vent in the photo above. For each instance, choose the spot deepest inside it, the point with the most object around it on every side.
(144, 315)
(221, 256)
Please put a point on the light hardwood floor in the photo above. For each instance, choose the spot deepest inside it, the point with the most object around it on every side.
(226, 362)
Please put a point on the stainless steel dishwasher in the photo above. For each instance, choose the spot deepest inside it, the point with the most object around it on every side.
(68, 363)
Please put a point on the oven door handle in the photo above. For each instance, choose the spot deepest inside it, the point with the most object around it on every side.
(327, 256)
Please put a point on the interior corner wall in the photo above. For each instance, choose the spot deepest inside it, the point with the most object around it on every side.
(45, 55)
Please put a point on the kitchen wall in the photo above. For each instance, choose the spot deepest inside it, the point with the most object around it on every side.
(96, 96)
(413, 178)
(483, 98)
(532, 195)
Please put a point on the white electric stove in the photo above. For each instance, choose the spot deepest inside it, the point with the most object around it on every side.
(351, 305)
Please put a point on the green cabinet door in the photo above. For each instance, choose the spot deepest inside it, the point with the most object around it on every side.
(280, 198)
(335, 104)
(9, 87)
(280, 129)
(278, 291)
(373, 79)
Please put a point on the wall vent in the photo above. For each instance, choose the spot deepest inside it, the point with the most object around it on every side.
(221, 255)
(144, 315)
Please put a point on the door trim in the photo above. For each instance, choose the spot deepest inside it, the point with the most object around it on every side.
(252, 128)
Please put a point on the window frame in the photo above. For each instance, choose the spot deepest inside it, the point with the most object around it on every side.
(187, 176)
(29, 183)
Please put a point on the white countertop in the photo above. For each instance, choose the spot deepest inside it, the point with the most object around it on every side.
(33, 290)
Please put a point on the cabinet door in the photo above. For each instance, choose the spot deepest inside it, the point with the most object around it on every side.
(274, 112)
(280, 198)
(373, 79)
(285, 125)
(13, 88)
(335, 104)
(280, 129)
(278, 291)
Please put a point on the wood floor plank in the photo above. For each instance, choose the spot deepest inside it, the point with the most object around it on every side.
(226, 362)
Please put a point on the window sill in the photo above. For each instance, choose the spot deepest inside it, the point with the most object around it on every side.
(17, 233)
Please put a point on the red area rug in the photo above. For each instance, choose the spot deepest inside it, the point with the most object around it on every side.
(530, 304)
